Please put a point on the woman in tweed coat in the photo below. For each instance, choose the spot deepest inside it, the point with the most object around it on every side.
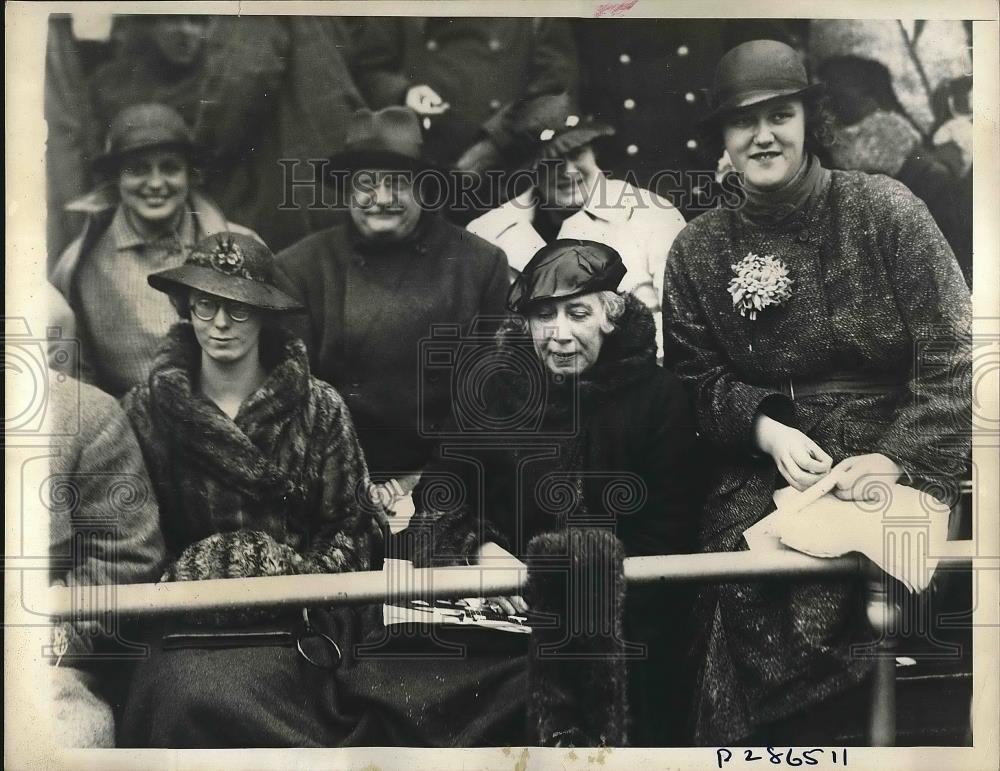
(258, 472)
(789, 380)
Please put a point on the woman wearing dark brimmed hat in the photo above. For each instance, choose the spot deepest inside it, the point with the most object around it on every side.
(258, 471)
(145, 216)
(571, 398)
(794, 320)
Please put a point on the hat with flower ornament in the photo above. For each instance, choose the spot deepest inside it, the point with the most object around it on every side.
(232, 266)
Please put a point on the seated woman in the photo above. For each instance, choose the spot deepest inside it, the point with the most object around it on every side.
(570, 441)
(145, 217)
(258, 472)
(825, 323)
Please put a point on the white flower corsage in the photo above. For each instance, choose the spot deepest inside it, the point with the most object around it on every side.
(760, 282)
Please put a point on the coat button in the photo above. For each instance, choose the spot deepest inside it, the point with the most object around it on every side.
(691, 144)
(494, 44)
(630, 104)
(432, 45)
(625, 58)
(632, 149)
(802, 237)
(683, 50)
(689, 97)
(494, 104)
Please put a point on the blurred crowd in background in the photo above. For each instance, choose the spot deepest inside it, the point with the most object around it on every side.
(258, 89)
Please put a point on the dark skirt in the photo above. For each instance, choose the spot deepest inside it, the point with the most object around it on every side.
(402, 688)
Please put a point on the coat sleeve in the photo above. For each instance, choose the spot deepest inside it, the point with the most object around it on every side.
(725, 406)
(377, 62)
(554, 69)
(666, 224)
(112, 486)
(930, 434)
(554, 65)
(494, 297)
(349, 516)
(666, 524)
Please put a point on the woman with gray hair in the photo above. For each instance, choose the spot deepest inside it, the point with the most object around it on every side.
(567, 436)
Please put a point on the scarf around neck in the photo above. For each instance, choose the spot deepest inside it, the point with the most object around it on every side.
(772, 207)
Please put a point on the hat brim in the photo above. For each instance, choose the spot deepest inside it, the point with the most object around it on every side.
(108, 163)
(574, 138)
(378, 160)
(757, 97)
(235, 288)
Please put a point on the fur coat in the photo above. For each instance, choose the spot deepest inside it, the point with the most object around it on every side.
(610, 455)
(287, 473)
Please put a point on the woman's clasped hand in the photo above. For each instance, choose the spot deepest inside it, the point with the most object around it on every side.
(804, 463)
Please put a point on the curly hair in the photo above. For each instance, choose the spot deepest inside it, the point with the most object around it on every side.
(516, 324)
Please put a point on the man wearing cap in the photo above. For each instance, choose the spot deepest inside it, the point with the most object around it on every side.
(376, 286)
(573, 198)
(145, 217)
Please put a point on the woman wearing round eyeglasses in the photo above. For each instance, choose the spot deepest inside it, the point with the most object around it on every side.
(258, 472)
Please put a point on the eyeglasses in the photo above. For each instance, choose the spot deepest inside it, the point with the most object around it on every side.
(206, 309)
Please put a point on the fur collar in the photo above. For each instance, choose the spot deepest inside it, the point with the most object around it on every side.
(627, 355)
(238, 451)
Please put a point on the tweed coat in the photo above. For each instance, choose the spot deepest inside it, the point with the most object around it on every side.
(371, 316)
(99, 494)
(876, 291)
(100, 207)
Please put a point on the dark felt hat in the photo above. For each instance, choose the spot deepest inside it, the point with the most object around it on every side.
(549, 126)
(232, 266)
(143, 127)
(566, 268)
(388, 139)
(756, 72)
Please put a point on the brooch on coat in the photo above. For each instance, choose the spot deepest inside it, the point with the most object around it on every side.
(761, 281)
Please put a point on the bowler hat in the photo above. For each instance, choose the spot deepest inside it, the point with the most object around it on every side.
(141, 127)
(549, 126)
(566, 268)
(232, 266)
(756, 72)
(388, 139)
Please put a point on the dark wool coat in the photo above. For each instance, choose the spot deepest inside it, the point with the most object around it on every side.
(613, 451)
(876, 291)
(370, 318)
(614, 446)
